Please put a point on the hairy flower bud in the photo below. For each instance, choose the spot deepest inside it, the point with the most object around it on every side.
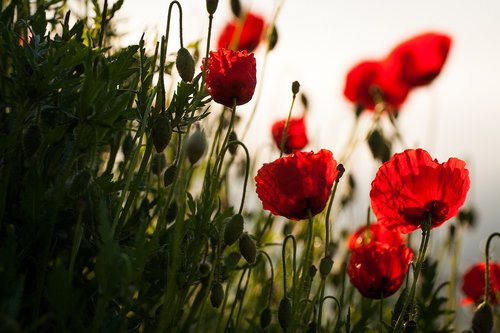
(233, 229)
(325, 267)
(295, 87)
(169, 174)
(216, 294)
(482, 322)
(273, 38)
(236, 7)
(171, 212)
(161, 132)
(247, 248)
(185, 65)
(285, 313)
(212, 6)
(232, 147)
(265, 318)
(196, 145)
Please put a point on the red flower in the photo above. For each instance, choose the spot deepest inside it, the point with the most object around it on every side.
(376, 233)
(231, 75)
(247, 36)
(294, 184)
(473, 283)
(420, 59)
(363, 80)
(377, 269)
(296, 138)
(411, 186)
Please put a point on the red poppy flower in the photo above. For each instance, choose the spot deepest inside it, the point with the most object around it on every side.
(377, 270)
(376, 233)
(411, 186)
(292, 185)
(473, 283)
(246, 36)
(365, 77)
(296, 137)
(420, 59)
(231, 75)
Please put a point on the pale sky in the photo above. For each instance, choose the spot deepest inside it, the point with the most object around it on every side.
(458, 115)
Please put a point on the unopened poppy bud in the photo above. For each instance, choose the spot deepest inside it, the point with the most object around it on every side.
(128, 145)
(169, 174)
(80, 183)
(379, 146)
(312, 271)
(341, 170)
(295, 87)
(161, 132)
(325, 267)
(273, 38)
(410, 326)
(185, 64)
(31, 139)
(171, 212)
(158, 163)
(482, 322)
(212, 6)
(204, 269)
(196, 145)
(247, 248)
(236, 7)
(216, 294)
(285, 313)
(232, 259)
(265, 318)
(232, 147)
(233, 229)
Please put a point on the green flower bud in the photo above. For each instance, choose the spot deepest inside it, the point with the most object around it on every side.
(212, 6)
(482, 322)
(295, 87)
(185, 65)
(233, 229)
(204, 269)
(196, 145)
(247, 248)
(216, 294)
(161, 132)
(285, 313)
(265, 318)
(169, 174)
(312, 271)
(232, 147)
(171, 212)
(128, 145)
(236, 7)
(325, 266)
(273, 38)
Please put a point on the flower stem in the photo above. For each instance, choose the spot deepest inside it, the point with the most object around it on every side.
(487, 268)
(285, 132)
(426, 225)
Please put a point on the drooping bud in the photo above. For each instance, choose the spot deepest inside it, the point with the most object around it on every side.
(233, 229)
(482, 322)
(285, 313)
(171, 212)
(265, 318)
(169, 174)
(31, 139)
(161, 132)
(185, 64)
(196, 145)
(232, 147)
(236, 7)
(295, 87)
(212, 6)
(247, 248)
(216, 294)
(273, 38)
(325, 266)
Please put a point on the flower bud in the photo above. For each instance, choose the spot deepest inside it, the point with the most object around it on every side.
(285, 313)
(482, 322)
(233, 229)
(247, 248)
(128, 145)
(232, 147)
(204, 269)
(410, 326)
(216, 294)
(158, 163)
(212, 6)
(265, 318)
(236, 7)
(325, 267)
(295, 87)
(169, 174)
(161, 132)
(171, 212)
(312, 271)
(31, 139)
(196, 145)
(185, 64)
(273, 38)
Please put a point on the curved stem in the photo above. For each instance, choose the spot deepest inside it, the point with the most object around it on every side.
(339, 308)
(167, 32)
(487, 268)
(294, 242)
(272, 273)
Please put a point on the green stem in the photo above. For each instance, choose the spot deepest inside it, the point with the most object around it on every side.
(285, 132)
(283, 259)
(487, 268)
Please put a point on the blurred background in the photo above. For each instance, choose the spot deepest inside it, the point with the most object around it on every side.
(319, 41)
